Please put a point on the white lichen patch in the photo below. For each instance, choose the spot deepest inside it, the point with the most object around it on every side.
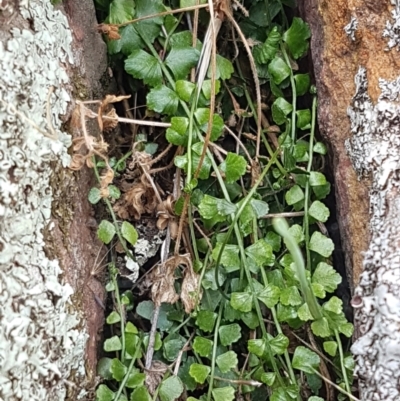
(374, 149)
(392, 29)
(351, 28)
(40, 339)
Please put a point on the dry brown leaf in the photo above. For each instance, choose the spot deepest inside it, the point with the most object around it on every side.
(109, 125)
(77, 162)
(107, 178)
(154, 375)
(105, 108)
(190, 294)
(110, 30)
(163, 279)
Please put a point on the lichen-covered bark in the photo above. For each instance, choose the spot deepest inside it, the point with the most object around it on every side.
(48, 317)
(358, 38)
(375, 150)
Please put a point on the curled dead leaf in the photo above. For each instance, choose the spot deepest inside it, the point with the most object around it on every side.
(163, 279)
(110, 30)
(107, 178)
(106, 109)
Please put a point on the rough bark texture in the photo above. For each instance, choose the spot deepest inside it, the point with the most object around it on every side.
(364, 50)
(49, 317)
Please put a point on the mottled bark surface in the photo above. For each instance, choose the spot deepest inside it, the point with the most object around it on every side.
(368, 208)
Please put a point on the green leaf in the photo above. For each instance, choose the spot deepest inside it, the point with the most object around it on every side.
(205, 320)
(202, 116)
(234, 166)
(184, 374)
(113, 318)
(315, 398)
(103, 368)
(280, 109)
(224, 68)
(112, 344)
(133, 342)
(209, 208)
(261, 253)
(291, 296)
(330, 347)
(278, 344)
(206, 88)
(130, 41)
(279, 70)
(170, 389)
(229, 258)
(317, 179)
(303, 119)
(269, 295)
(227, 361)
(163, 100)
(302, 82)
(305, 360)
(347, 329)
(121, 11)
(274, 240)
(304, 313)
(296, 37)
(181, 60)
(190, 3)
(184, 89)
(203, 346)
(296, 232)
(224, 394)
(318, 290)
(129, 232)
(321, 244)
(268, 378)
(267, 51)
(94, 195)
(173, 346)
(321, 191)
(229, 334)
(321, 328)
(334, 305)
(103, 393)
(320, 148)
(199, 372)
(319, 211)
(106, 231)
(149, 28)
(242, 301)
(114, 192)
(209, 279)
(260, 207)
(257, 346)
(349, 362)
(131, 328)
(141, 394)
(135, 379)
(294, 195)
(118, 369)
(326, 276)
(144, 66)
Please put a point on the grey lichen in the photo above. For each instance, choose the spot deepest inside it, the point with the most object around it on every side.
(41, 341)
(374, 149)
(392, 29)
(351, 28)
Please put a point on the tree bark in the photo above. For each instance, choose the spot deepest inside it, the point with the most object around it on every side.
(354, 50)
(50, 315)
